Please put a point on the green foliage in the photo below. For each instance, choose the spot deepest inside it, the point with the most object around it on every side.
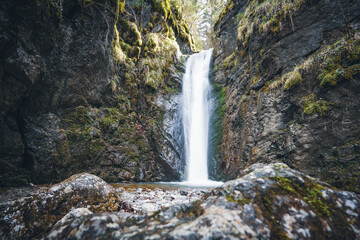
(293, 79)
(338, 62)
(330, 78)
(311, 105)
(267, 15)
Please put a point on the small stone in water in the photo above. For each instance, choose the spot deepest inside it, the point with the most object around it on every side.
(183, 193)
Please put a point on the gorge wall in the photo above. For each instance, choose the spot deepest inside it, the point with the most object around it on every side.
(287, 74)
(92, 86)
(89, 86)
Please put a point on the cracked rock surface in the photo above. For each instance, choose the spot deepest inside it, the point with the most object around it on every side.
(267, 202)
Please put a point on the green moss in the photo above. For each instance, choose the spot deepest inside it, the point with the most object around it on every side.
(311, 105)
(121, 4)
(131, 31)
(159, 52)
(231, 61)
(338, 62)
(85, 143)
(216, 154)
(293, 79)
(232, 198)
(315, 199)
(267, 206)
(230, 5)
(162, 6)
(112, 117)
(152, 44)
(352, 71)
(309, 191)
(180, 27)
(274, 24)
(266, 16)
(330, 78)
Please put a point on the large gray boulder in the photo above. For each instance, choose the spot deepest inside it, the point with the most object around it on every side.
(34, 215)
(267, 202)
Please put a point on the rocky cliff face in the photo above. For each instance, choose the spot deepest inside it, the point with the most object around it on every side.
(80, 86)
(290, 79)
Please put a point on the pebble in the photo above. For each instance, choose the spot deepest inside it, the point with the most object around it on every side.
(183, 193)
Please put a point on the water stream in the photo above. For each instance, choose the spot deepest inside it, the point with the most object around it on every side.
(196, 106)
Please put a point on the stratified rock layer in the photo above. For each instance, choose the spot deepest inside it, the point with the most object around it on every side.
(288, 75)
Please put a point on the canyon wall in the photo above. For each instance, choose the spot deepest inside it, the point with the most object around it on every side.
(288, 74)
(90, 86)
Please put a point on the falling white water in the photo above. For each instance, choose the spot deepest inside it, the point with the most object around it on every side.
(196, 114)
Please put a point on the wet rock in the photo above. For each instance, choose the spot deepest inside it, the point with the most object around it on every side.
(33, 215)
(171, 143)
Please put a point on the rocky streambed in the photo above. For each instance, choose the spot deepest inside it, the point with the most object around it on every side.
(266, 202)
(147, 198)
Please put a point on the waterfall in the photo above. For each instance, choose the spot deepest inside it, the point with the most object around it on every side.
(196, 106)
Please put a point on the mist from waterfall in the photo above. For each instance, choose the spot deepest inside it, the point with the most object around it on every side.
(196, 108)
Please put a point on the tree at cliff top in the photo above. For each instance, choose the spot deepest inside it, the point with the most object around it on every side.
(201, 16)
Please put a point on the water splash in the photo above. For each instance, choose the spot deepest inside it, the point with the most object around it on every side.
(196, 100)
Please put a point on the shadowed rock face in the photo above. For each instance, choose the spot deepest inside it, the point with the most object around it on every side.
(266, 202)
(265, 119)
(51, 61)
(67, 106)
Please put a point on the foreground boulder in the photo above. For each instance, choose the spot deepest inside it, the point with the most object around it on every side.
(34, 215)
(267, 202)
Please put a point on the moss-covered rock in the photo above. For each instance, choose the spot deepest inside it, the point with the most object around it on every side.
(267, 202)
(295, 205)
(264, 16)
(292, 80)
(32, 216)
(311, 105)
